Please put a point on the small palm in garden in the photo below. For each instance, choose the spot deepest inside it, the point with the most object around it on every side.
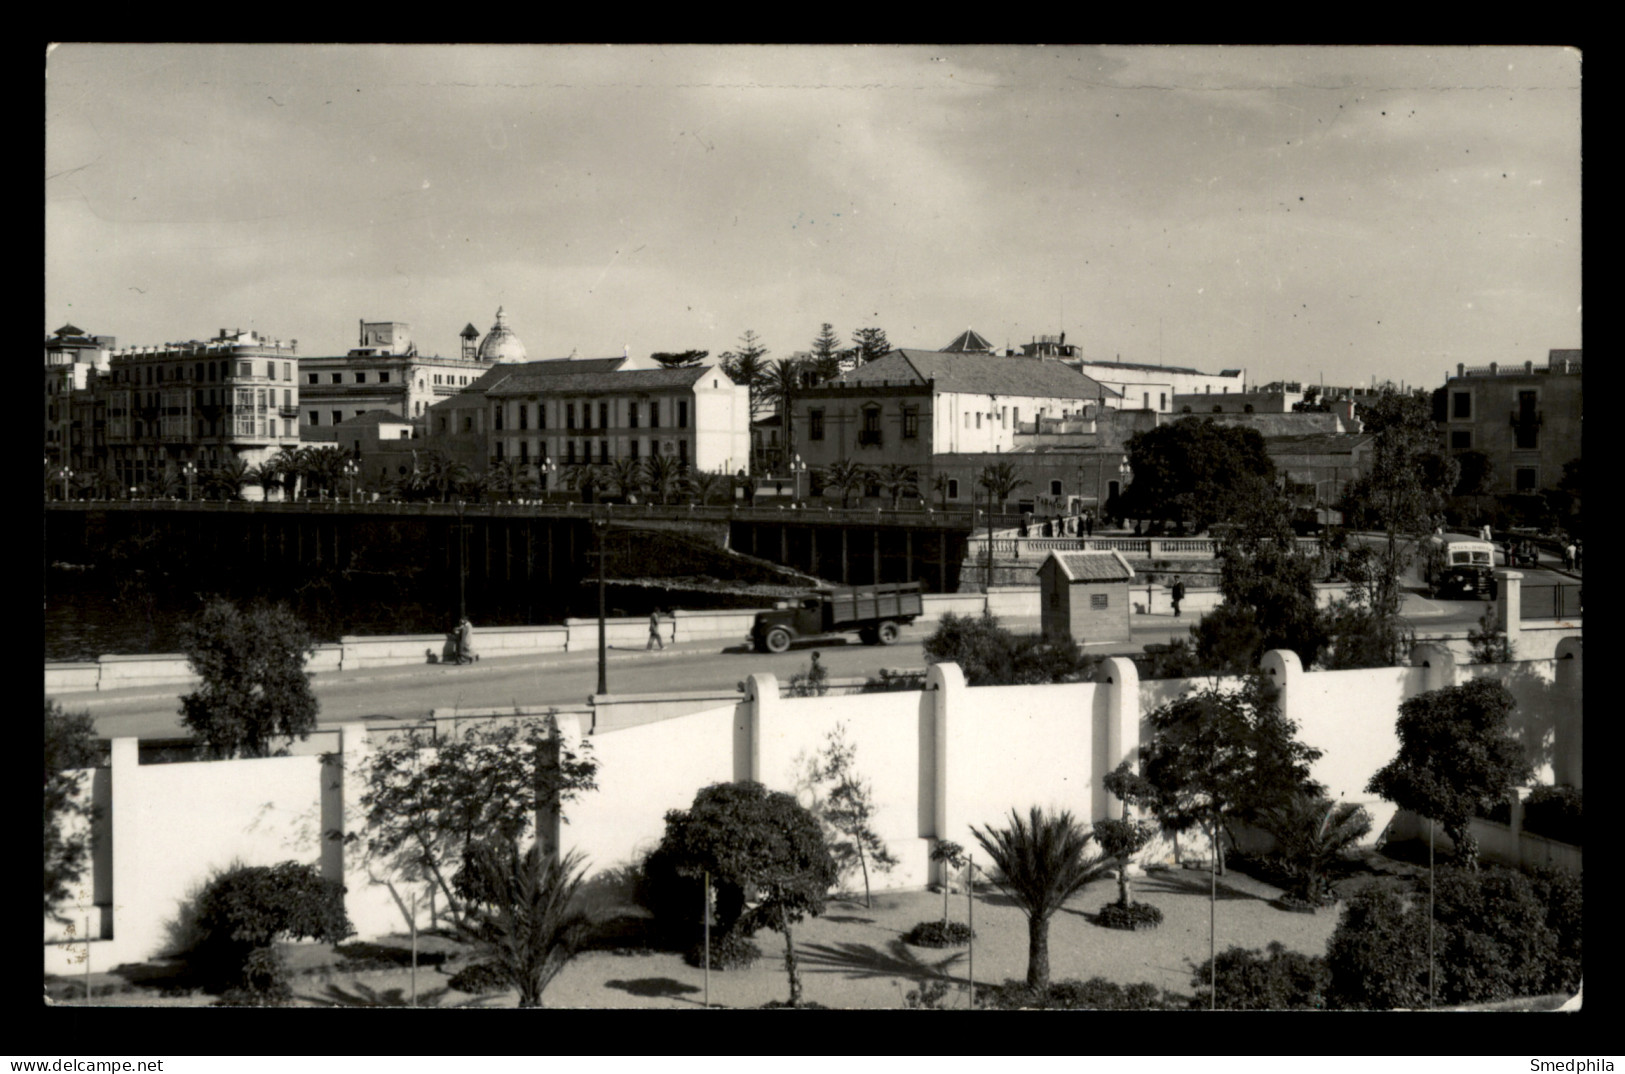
(1312, 832)
(522, 914)
(1042, 864)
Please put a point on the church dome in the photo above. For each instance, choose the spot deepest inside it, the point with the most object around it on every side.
(501, 344)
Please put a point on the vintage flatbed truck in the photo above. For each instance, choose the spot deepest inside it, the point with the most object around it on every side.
(874, 612)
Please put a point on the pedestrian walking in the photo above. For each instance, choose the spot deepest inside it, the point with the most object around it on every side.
(1579, 554)
(1178, 594)
(465, 642)
(1568, 556)
(1089, 523)
(654, 632)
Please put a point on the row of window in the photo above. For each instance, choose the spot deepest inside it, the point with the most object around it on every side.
(676, 448)
(869, 428)
(359, 378)
(201, 371)
(634, 413)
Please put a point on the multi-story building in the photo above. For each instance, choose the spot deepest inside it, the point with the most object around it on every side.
(203, 402)
(1525, 418)
(385, 372)
(570, 412)
(1153, 387)
(74, 361)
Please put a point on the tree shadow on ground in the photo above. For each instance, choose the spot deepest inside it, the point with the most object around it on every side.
(364, 996)
(655, 988)
(361, 954)
(849, 919)
(167, 978)
(1192, 882)
(865, 961)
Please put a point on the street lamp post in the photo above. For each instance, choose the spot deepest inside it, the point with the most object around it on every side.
(351, 468)
(190, 470)
(797, 468)
(548, 468)
(600, 527)
(67, 474)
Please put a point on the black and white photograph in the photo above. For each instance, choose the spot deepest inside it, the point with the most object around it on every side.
(840, 526)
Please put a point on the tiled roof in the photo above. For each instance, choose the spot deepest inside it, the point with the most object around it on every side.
(377, 417)
(623, 380)
(1093, 566)
(546, 367)
(980, 374)
(1142, 367)
(968, 341)
(1317, 443)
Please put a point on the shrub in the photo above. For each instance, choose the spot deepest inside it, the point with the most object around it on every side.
(1491, 941)
(891, 681)
(1133, 917)
(1560, 891)
(939, 934)
(479, 979)
(729, 951)
(1249, 981)
(243, 911)
(1555, 812)
(673, 900)
(1378, 955)
(928, 996)
(1095, 994)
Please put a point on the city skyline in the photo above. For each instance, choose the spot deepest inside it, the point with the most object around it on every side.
(1304, 213)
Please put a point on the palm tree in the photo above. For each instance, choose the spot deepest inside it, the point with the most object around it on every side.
(783, 386)
(441, 473)
(1311, 833)
(227, 479)
(290, 463)
(1000, 480)
(267, 476)
(704, 485)
(584, 478)
(627, 476)
(939, 485)
(844, 475)
(509, 477)
(1042, 864)
(324, 466)
(527, 926)
(899, 480)
(664, 472)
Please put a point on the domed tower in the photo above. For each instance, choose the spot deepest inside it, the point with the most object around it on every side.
(501, 344)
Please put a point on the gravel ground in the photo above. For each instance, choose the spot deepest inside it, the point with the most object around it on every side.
(853, 956)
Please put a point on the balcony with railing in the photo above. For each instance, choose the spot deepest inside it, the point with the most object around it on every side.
(869, 438)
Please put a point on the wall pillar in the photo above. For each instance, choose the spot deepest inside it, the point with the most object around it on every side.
(945, 689)
(1121, 713)
(757, 715)
(1509, 604)
(124, 763)
(1283, 669)
(1440, 663)
(1566, 767)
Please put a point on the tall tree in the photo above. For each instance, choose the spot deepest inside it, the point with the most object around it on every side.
(1402, 494)
(70, 745)
(1194, 472)
(748, 366)
(1041, 863)
(704, 485)
(1000, 480)
(1455, 757)
(430, 805)
(784, 381)
(871, 343)
(1215, 756)
(628, 475)
(826, 353)
(847, 808)
(750, 839)
(254, 687)
(225, 481)
(679, 359)
(664, 473)
(1262, 575)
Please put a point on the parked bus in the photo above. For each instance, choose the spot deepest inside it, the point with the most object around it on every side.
(1460, 566)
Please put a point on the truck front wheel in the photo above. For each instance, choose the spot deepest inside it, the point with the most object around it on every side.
(887, 633)
(778, 640)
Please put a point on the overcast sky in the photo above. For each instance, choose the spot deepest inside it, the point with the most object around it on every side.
(1311, 213)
